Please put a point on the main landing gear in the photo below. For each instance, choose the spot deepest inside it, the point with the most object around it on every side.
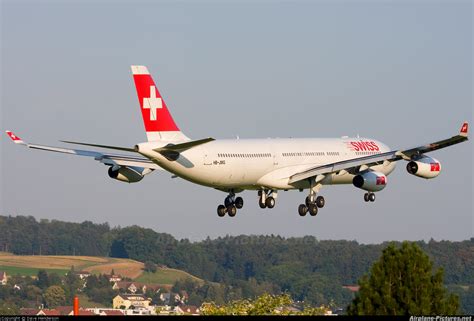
(266, 198)
(231, 204)
(369, 197)
(311, 205)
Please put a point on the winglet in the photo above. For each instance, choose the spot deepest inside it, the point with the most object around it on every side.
(464, 129)
(15, 138)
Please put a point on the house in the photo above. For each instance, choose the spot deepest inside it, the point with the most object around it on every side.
(111, 312)
(3, 277)
(106, 311)
(352, 288)
(127, 300)
(28, 311)
(186, 310)
(113, 277)
(85, 312)
(83, 274)
(133, 287)
(48, 312)
(65, 310)
(61, 310)
(169, 298)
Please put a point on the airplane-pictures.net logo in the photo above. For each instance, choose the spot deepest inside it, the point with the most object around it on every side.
(365, 146)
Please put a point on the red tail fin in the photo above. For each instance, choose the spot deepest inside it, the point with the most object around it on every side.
(159, 123)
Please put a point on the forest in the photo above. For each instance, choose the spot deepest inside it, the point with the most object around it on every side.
(309, 269)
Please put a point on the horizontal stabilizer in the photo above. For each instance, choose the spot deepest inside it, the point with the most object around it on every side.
(183, 146)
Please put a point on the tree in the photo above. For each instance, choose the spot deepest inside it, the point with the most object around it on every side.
(72, 284)
(266, 304)
(42, 279)
(8, 308)
(54, 296)
(150, 267)
(33, 293)
(401, 282)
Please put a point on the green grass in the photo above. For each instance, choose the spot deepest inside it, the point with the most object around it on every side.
(85, 302)
(23, 271)
(165, 276)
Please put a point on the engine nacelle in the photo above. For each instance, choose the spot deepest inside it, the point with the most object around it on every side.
(370, 181)
(125, 174)
(426, 167)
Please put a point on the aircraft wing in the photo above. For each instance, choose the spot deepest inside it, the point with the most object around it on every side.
(107, 159)
(355, 165)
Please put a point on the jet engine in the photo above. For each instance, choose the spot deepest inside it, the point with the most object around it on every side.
(425, 167)
(370, 181)
(125, 174)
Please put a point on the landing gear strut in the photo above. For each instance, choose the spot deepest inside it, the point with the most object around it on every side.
(369, 197)
(267, 198)
(231, 204)
(312, 203)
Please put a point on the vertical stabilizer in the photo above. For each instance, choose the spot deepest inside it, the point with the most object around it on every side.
(159, 124)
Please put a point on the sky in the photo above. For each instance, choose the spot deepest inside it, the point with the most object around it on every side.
(400, 72)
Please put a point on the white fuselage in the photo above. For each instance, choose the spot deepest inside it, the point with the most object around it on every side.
(241, 164)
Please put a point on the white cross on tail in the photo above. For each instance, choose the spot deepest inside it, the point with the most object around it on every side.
(152, 103)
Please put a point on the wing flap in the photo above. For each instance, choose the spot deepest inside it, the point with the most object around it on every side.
(126, 149)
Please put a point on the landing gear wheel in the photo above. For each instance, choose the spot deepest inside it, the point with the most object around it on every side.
(221, 210)
(302, 210)
(232, 210)
(372, 197)
(262, 204)
(312, 209)
(239, 202)
(366, 197)
(320, 201)
(270, 202)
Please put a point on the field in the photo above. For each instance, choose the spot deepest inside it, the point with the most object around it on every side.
(28, 265)
(25, 271)
(166, 276)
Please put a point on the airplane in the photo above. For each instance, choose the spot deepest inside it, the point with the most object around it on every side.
(263, 165)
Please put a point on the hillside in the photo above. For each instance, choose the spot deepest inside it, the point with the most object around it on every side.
(166, 276)
(245, 266)
(30, 264)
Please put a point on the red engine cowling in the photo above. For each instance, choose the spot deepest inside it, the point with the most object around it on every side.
(425, 167)
(370, 181)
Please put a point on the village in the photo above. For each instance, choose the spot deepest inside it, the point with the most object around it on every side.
(132, 299)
